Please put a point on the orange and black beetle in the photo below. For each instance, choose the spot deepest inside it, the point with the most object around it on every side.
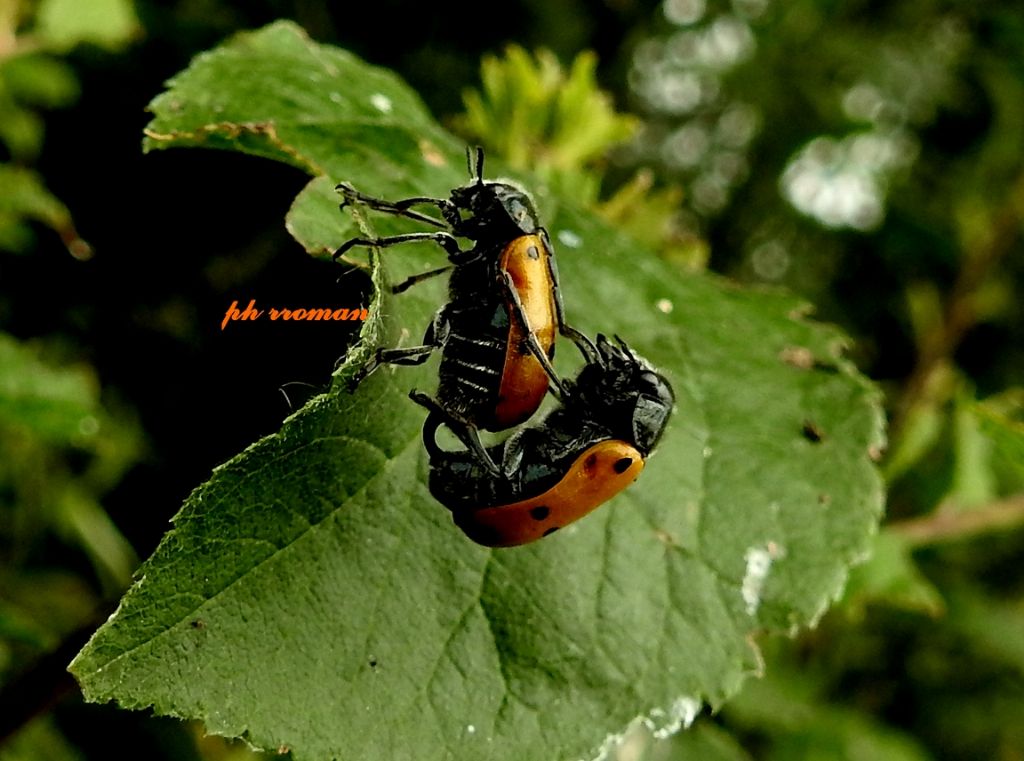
(584, 453)
(497, 331)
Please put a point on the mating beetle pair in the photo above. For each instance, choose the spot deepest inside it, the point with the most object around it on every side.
(496, 335)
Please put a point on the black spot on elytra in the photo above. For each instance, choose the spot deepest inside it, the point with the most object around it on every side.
(540, 513)
(551, 530)
(590, 463)
(533, 253)
(622, 465)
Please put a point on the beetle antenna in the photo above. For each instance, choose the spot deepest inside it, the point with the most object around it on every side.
(284, 393)
(479, 165)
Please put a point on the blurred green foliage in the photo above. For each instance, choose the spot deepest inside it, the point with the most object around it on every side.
(32, 77)
(538, 116)
(60, 451)
(866, 155)
(870, 156)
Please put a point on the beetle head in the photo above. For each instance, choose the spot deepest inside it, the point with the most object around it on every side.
(622, 389)
(497, 210)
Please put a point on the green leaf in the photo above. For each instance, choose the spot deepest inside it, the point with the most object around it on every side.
(45, 409)
(82, 521)
(277, 95)
(21, 131)
(1001, 420)
(30, 80)
(921, 433)
(788, 708)
(892, 578)
(62, 24)
(39, 608)
(992, 626)
(39, 80)
(312, 594)
(703, 742)
(534, 114)
(23, 198)
(40, 740)
(57, 404)
(974, 480)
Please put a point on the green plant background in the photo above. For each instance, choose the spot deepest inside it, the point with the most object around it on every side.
(120, 393)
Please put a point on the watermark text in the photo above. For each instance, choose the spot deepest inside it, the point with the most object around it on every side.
(250, 313)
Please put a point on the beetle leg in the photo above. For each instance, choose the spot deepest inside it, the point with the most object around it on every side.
(584, 344)
(412, 280)
(430, 425)
(530, 338)
(464, 257)
(413, 355)
(446, 241)
(399, 208)
(466, 432)
(435, 336)
(512, 454)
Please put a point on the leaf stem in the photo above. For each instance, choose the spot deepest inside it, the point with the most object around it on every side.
(11, 43)
(947, 524)
(938, 346)
(8, 28)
